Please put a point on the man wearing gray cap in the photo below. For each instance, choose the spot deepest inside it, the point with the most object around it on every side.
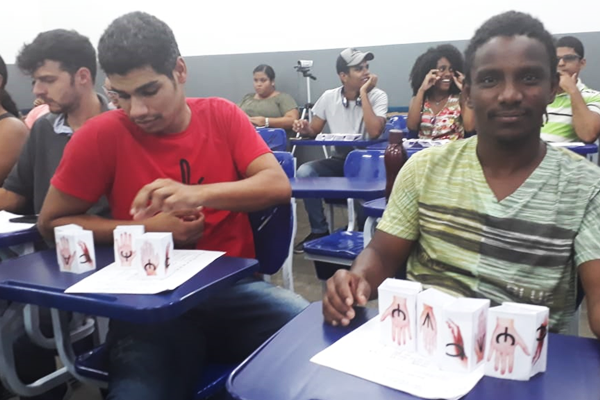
(358, 106)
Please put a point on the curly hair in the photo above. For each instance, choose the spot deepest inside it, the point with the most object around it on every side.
(137, 40)
(5, 100)
(428, 61)
(508, 24)
(72, 50)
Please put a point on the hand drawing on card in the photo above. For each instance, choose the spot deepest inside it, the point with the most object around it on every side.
(541, 332)
(65, 253)
(480, 336)
(457, 347)
(400, 320)
(428, 328)
(85, 257)
(149, 259)
(125, 249)
(503, 342)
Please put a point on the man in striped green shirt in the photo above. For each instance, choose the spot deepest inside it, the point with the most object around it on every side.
(574, 115)
(503, 215)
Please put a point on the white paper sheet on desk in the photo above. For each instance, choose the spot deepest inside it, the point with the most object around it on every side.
(6, 226)
(129, 280)
(566, 144)
(361, 354)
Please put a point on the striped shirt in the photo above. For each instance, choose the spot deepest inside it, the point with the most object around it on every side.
(559, 127)
(524, 248)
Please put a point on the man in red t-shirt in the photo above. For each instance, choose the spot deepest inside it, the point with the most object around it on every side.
(193, 167)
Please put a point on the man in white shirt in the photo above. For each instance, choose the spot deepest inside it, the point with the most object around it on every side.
(357, 106)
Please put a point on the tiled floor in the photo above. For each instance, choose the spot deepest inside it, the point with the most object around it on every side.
(306, 284)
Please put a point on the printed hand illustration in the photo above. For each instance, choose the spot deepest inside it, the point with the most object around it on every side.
(400, 320)
(167, 258)
(125, 249)
(85, 256)
(428, 328)
(457, 347)
(503, 342)
(480, 336)
(149, 259)
(542, 332)
(65, 253)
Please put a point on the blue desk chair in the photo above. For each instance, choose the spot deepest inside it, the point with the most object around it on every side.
(339, 249)
(274, 230)
(275, 138)
(360, 164)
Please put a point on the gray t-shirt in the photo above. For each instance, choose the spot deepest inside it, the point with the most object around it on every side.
(30, 177)
(349, 119)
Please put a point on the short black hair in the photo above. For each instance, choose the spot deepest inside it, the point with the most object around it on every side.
(572, 42)
(72, 50)
(509, 24)
(137, 40)
(341, 65)
(267, 69)
(3, 73)
(428, 61)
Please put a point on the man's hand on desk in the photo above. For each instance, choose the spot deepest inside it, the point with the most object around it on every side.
(187, 226)
(344, 290)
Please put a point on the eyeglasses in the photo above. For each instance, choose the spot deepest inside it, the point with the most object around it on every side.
(569, 58)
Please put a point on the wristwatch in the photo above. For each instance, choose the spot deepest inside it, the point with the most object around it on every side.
(266, 122)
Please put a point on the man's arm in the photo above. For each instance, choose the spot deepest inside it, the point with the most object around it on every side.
(586, 123)
(11, 201)
(589, 273)
(374, 123)
(61, 209)
(265, 185)
(381, 259)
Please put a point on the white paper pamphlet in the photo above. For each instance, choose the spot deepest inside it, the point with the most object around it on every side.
(361, 353)
(124, 280)
(7, 227)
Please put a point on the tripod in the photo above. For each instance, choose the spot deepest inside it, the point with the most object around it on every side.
(307, 107)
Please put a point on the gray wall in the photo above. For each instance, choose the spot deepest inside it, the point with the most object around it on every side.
(230, 76)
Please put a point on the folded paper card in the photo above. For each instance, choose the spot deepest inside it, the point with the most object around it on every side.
(397, 312)
(74, 249)
(517, 341)
(463, 334)
(155, 250)
(430, 304)
(125, 237)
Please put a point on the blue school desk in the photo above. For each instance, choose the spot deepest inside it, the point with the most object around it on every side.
(573, 369)
(337, 188)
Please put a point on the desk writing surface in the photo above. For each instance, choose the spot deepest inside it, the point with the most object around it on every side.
(36, 279)
(573, 369)
(337, 188)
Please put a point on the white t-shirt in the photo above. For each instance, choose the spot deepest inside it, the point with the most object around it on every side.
(349, 119)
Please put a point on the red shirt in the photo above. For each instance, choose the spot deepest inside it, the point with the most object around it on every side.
(112, 156)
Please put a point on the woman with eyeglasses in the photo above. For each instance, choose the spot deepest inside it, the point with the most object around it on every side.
(13, 132)
(437, 109)
(268, 107)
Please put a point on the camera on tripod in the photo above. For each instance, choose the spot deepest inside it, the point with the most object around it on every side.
(304, 64)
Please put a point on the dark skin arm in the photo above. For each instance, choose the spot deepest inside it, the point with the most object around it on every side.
(589, 273)
(378, 261)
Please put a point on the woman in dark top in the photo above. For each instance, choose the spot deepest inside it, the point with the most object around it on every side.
(13, 132)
